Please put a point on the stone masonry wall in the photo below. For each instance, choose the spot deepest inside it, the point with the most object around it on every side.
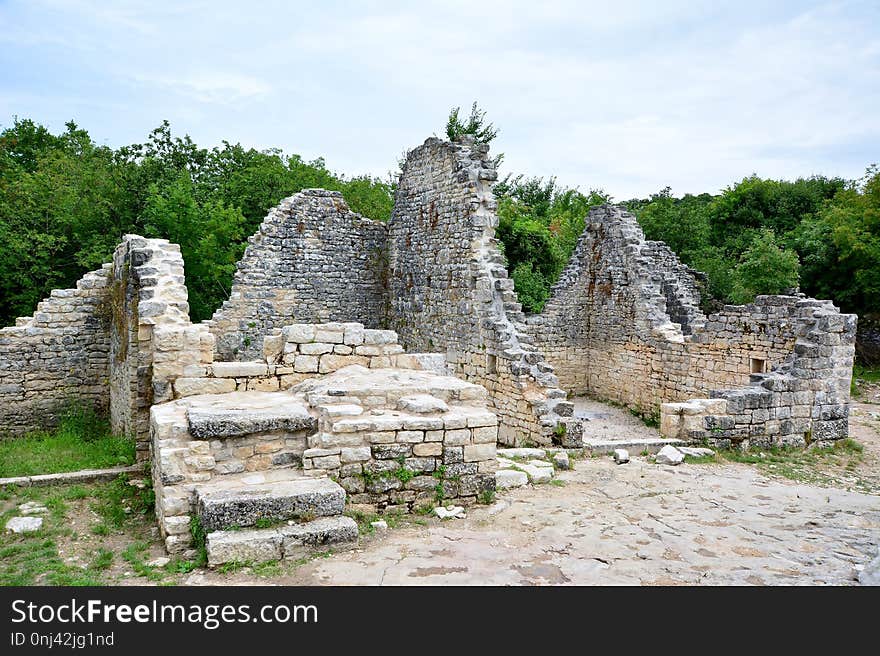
(623, 323)
(804, 400)
(449, 291)
(608, 327)
(293, 354)
(313, 260)
(152, 337)
(60, 355)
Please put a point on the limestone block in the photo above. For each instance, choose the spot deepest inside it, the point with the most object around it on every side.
(193, 386)
(353, 334)
(317, 348)
(372, 336)
(299, 333)
(239, 369)
(475, 452)
(305, 364)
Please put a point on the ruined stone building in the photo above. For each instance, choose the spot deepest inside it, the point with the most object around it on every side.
(424, 301)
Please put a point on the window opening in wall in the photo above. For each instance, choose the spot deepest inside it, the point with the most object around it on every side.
(491, 366)
(758, 365)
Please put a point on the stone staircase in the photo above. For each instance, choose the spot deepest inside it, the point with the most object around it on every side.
(296, 514)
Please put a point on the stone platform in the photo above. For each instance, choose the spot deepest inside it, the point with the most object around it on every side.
(265, 474)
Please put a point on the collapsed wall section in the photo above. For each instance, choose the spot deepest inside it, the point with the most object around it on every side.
(313, 260)
(57, 357)
(448, 289)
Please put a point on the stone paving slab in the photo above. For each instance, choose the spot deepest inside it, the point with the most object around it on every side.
(639, 524)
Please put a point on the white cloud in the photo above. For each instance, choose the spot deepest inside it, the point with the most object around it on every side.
(630, 96)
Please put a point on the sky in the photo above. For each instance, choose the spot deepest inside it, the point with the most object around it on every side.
(625, 96)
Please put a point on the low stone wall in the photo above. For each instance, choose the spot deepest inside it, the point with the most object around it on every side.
(399, 439)
(58, 356)
(293, 354)
(804, 400)
(313, 260)
(393, 438)
(181, 460)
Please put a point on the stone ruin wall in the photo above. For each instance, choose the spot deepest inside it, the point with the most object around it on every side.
(434, 274)
(313, 260)
(449, 290)
(623, 324)
(56, 357)
(151, 337)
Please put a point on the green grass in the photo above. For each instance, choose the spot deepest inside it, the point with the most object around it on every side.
(83, 440)
(34, 558)
(797, 464)
(861, 375)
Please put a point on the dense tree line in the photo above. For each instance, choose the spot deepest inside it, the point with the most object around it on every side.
(65, 202)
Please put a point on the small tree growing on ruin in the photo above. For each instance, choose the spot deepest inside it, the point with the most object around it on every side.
(475, 125)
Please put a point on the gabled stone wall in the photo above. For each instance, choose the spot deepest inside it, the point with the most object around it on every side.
(313, 260)
(624, 324)
(449, 290)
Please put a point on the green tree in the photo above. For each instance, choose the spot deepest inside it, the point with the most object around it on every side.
(765, 268)
(475, 125)
(853, 219)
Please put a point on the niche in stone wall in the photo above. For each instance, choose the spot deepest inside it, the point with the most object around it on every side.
(757, 365)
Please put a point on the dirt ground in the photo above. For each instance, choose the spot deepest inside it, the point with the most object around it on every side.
(714, 523)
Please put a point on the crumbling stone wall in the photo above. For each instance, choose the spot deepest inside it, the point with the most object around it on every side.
(804, 400)
(313, 260)
(60, 355)
(623, 323)
(151, 336)
(449, 290)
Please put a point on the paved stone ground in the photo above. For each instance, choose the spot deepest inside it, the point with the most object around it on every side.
(639, 523)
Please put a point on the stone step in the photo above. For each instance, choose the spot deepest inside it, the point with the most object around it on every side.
(285, 541)
(634, 446)
(275, 501)
(246, 413)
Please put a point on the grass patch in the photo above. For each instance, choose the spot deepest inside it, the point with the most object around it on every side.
(103, 559)
(702, 460)
(486, 497)
(803, 465)
(557, 482)
(134, 555)
(118, 501)
(862, 375)
(83, 440)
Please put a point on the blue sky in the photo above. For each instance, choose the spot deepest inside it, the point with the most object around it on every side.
(626, 96)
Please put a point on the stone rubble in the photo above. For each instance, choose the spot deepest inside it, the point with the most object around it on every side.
(561, 460)
(25, 524)
(669, 455)
(621, 456)
(32, 508)
(450, 512)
